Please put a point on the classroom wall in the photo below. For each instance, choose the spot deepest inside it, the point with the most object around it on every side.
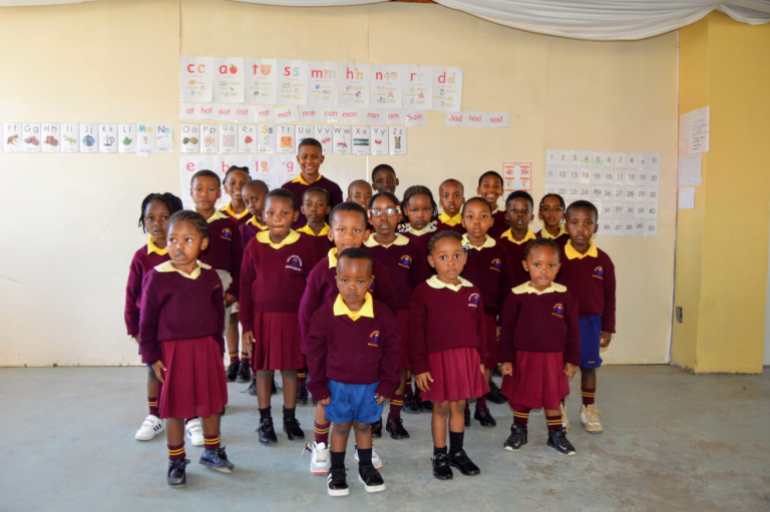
(722, 244)
(116, 61)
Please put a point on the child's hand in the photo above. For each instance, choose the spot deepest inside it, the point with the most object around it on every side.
(229, 299)
(325, 401)
(570, 370)
(248, 342)
(498, 333)
(605, 338)
(483, 370)
(136, 339)
(158, 369)
(506, 368)
(423, 381)
(379, 398)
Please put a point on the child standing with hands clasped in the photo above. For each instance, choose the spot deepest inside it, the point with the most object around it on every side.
(541, 347)
(445, 318)
(180, 333)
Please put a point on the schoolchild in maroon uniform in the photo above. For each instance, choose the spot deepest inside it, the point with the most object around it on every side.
(551, 214)
(518, 206)
(155, 211)
(491, 188)
(445, 317)
(235, 178)
(310, 157)
(396, 254)
(589, 273)
(253, 194)
(384, 179)
(359, 191)
(541, 346)
(451, 196)
(273, 276)
(315, 208)
(353, 358)
(180, 332)
(484, 268)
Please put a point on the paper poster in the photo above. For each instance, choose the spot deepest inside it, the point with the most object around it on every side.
(292, 82)
(387, 84)
(414, 119)
(229, 82)
(394, 118)
(89, 138)
(331, 116)
(350, 117)
(30, 137)
(474, 120)
(189, 165)
(266, 138)
(197, 78)
(51, 137)
(361, 141)
(342, 140)
(285, 139)
(310, 115)
(127, 138)
(397, 140)
(242, 113)
(284, 168)
(518, 176)
(418, 88)
(223, 112)
(164, 138)
(228, 138)
(325, 135)
(263, 114)
(497, 120)
(190, 138)
(303, 132)
(261, 81)
(455, 119)
(694, 131)
(447, 89)
(380, 140)
(285, 114)
(108, 138)
(686, 198)
(353, 86)
(145, 138)
(322, 84)
(188, 112)
(209, 138)
(689, 168)
(247, 138)
(374, 117)
(206, 112)
(70, 138)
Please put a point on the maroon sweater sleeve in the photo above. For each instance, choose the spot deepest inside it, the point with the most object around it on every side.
(133, 295)
(310, 301)
(236, 257)
(608, 315)
(389, 375)
(316, 348)
(149, 346)
(418, 356)
(482, 347)
(510, 316)
(572, 347)
(246, 277)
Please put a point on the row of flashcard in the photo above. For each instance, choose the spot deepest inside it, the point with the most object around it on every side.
(138, 138)
(264, 138)
(602, 167)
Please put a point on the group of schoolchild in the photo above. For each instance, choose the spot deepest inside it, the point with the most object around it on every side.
(356, 301)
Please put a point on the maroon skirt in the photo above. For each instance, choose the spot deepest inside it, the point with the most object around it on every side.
(456, 375)
(276, 342)
(194, 382)
(403, 334)
(489, 338)
(538, 380)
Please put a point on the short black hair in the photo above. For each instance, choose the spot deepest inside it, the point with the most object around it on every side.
(172, 202)
(418, 190)
(476, 199)
(348, 206)
(235, 168)
(194, 218)
(258, 184)
(206, 173)
(382, 167)
(388, 195)
(359, 182)
(582, 204)
(442, 235)
(492, 173)
(318, 190)
(553, 194)
(538, 243)
(452, 180)
(310, 141)
(281, 193)
(358, 253)
(520, 194)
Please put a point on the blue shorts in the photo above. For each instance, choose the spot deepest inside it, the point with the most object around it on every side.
(353, 402)
(590, 332)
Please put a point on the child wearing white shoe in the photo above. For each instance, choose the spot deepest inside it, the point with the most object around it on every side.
(155, 211)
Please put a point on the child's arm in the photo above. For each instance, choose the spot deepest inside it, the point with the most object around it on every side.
(309, 303)
(247, 275)
(316, 350)
(572, 346)
(236, 256)
(418, 355)
(608, 315)
(390, 375)
(133, 295)
(383, 287)
(510, 316)
(217, 299)
(483, 348)
(149, 315)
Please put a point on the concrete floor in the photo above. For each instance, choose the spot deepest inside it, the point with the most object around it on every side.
(673, 441)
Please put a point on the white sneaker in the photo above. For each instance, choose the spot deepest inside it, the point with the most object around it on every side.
(589, 417)
(376, 460)
(194, 431)
(564, 418)
(151, 427)
(319, 458)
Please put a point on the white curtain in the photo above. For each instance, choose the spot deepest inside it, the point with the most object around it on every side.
(24, 3)
(584, 19)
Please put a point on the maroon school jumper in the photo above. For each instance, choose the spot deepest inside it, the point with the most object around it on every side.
(560, 239)
(239, 218)
(513, 255)
(225, 250)
(249, 230)
(145, 259)
(298, 186)
(445, 222)
(420, 239)
(591, 278)
(360, 351)
(500, 224)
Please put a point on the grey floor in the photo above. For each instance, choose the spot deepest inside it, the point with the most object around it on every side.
(673, 441)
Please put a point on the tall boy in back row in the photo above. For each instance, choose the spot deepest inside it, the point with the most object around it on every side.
(310, 157)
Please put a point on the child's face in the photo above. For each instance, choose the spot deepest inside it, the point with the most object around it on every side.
(581, 226)
(551, 212)
(360, 193)
(384, 216)
(234, 184)
(419, 211)
(477, 220)
(279, 215)
(315, 208)
(156, 217)
(184, 244)
(348, 230)
(519, 214)
(490, 189)
(385, 181)
(448, 258)
(310, 159)
(542, 263)
(451, 198)
(254, 199)
(354, 277)
(205, 191)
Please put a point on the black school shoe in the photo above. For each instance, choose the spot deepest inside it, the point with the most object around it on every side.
(292, 429)
(395, 427)
(371, 478)
(517, 439)
(177, 474)
(302, 393)
(232, 371)
(336, 484)
(244, 372)
(484, 417)
(267, 431)
(557, 440)
(495, 395)
(441, 469)
(461, 461)
(216, 459)
(377, 428)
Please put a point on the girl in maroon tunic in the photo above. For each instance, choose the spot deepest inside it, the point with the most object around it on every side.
(180, 331)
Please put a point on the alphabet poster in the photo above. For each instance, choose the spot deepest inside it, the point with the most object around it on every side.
(261, 81)
(447, 89)
(292, 82)
(229, 80)
(196, 79)
(354, 86)
(322, 84)
(386, 86)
